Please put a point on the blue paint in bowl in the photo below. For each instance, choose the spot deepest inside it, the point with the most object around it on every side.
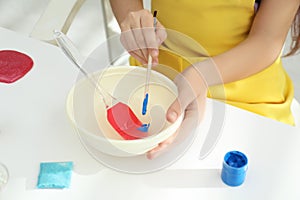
(234, 169)
(144, 128)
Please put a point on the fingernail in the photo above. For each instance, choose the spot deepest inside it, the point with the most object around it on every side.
(172, 116)
(150, 155)
(154, 53)
(154, 63)
(153, 155)
(158, 41)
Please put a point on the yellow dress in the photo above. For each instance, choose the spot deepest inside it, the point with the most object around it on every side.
(217, 26)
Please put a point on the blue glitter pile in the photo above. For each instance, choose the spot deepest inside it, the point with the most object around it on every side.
(55, 175)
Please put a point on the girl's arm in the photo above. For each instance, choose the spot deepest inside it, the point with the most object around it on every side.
(121, 8)
(257, 52)
(262, 46)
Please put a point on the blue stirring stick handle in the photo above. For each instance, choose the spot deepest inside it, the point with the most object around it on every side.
(145, 102)
(154, 20)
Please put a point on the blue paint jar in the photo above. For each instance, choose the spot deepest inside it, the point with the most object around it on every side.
(234, 169)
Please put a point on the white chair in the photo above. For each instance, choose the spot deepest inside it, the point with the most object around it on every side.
(59, 15)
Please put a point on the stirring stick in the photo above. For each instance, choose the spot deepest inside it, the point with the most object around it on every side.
(149, 66)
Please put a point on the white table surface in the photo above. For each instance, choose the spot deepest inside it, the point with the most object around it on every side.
(34, 129)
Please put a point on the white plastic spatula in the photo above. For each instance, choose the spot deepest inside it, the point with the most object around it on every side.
(119, 115)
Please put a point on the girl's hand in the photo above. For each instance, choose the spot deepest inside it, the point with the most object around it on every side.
(139, 36)
(192, 91)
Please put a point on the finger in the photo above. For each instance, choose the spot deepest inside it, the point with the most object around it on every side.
(196, 109)
(174, 111)
(128, 41)
(138, 57)
(185, 96)
(140, 41)
(131, 37)
(149, 32)
(151, 44)
(149, 36)
(136, 28)
(161, 147)
(161, 34)
(154, 53)
(155, 152)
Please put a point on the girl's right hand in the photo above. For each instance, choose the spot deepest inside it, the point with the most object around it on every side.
(139, 36)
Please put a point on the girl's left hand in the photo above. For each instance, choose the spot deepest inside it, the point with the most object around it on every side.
(192, 91)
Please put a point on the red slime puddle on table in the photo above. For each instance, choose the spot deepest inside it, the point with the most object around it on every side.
(13, 65)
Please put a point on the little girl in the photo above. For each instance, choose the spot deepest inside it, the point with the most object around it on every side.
(238, 57)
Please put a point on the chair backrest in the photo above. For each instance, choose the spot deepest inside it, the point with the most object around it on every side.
(295, 108)
(58, 15)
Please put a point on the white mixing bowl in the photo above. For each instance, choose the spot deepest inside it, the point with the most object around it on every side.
(86, 109)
